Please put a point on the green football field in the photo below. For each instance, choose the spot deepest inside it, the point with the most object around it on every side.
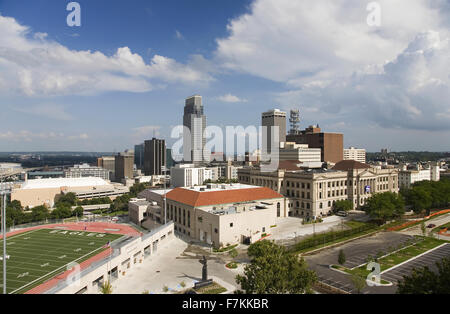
(38, 255)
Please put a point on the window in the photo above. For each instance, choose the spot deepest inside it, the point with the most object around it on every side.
(215, 230)
(231, 225)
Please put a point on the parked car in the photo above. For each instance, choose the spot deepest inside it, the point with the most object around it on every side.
(342, 213)
(431, 226)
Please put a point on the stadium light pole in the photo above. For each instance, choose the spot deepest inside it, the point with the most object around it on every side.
(4, 192)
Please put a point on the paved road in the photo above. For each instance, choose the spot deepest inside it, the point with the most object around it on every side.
(438, 221)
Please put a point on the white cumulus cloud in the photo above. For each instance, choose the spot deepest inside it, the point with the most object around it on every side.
(34, 65)
(230, 98)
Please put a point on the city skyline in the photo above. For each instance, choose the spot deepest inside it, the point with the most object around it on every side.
(385, 87)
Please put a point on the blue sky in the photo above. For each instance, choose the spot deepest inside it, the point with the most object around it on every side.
(124, 74)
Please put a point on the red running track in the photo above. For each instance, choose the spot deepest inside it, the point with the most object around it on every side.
(101, 227)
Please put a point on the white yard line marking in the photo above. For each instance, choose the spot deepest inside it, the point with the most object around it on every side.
(48, 274)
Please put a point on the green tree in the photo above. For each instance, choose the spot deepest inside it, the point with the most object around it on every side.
(358, 282)
(40, 213)
(341, 257)
(69, 198)
(275, 271)
(343, 205)
(425, 281)
(78, 211)
(61, 212)
(419, 199)
(423, 228)
(385, 206)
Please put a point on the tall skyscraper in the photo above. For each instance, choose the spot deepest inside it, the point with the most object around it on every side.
(154, 156)
(271, 119)
(169, 160)
(124, 163)
(139, 156)
(195, 121)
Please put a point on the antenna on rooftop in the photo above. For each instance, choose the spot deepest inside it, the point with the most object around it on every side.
(294, 120)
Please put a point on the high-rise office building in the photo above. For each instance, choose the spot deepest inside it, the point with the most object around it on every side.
(109, 163)
(169, 159)
(195, 121)
(124, 163)
(139, 156)
(154, 156)
(270, 120)
(331, 144)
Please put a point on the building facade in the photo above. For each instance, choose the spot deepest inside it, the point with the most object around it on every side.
(310, 157)
(124, 165)
(331, 144)
(358, 154)
(139, 156)
(406, 178)
(220, 215)
(314, 192)
(84, 171)
(194, 121)
(109, 163)
(271, 120)
(187, 175)
(154, 157)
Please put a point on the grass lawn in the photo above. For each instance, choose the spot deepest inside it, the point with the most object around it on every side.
(215, 288)
(397, 257)
(225, 249)
(39, 255)
(354, 224)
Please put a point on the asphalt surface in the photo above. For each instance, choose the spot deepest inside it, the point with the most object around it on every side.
(356, 253)
(429, 259)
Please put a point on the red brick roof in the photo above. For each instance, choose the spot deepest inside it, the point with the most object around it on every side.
(195, 198)
(346, 165)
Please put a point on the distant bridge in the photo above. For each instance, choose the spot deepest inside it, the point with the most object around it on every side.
(11, 173)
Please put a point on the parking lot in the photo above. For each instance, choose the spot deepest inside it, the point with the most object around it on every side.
(356, 253)
(429, 259)
(359, 255)
(333, 282)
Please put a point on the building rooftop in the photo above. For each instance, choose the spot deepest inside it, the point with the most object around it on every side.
(345, 165)
(63, 182)
(223, 194)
